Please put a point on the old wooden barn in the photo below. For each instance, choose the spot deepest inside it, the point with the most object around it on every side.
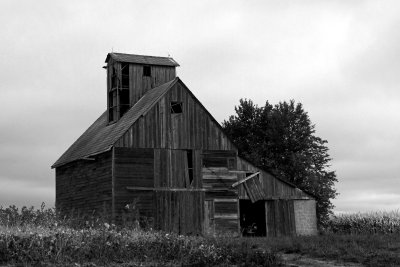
(157, 145)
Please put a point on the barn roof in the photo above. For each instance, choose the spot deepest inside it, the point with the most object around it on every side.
(101, 136)
(139, 59)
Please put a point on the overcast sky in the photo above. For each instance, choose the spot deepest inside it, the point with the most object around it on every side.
(341, 59)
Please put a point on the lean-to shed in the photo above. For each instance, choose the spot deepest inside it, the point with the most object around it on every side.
(158, 146)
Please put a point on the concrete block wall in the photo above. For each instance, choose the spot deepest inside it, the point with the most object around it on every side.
(305, 217)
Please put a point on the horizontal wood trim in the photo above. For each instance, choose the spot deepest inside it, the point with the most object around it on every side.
(137, 188)
(225, 200)
(225, 216)
(281, 198)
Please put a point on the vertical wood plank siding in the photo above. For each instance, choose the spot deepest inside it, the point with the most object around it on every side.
(133, 167)
(171, 169)
(272, 187)
(84, 186)
(180, 212)
(139, 84)
(280, 218)
(194, 128)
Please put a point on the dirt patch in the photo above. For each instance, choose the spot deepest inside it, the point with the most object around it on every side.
(297, 260)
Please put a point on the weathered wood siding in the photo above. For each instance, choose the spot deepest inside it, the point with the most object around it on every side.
(273, 188)
(133, 167)
(84, 186)
(139, 84)
(171, 168)
(179, 211)
(280, 218)
(194, 128)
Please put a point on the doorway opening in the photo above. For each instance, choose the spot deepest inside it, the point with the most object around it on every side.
(252, 218)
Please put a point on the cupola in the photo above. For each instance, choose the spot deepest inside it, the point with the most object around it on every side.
(130, 76)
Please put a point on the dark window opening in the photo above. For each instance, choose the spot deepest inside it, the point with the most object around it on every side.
(125, 75)
(147, 71)
(209, 162)
(125, 69)
(123, 109)
(189, 154)
(125, 81)
(124, 97)
(176, 107)
(123, 101)
(252, 218)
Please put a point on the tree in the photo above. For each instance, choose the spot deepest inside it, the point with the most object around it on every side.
(281, 139)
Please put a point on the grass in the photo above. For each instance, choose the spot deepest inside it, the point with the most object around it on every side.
(40, 237)
(369, 250)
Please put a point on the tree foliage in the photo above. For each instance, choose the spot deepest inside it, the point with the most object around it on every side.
(281, 139)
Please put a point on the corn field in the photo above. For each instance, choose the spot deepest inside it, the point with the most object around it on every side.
(381, 222)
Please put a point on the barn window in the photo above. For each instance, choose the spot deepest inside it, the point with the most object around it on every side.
(125, 75)
(176, 107)
(146, 71)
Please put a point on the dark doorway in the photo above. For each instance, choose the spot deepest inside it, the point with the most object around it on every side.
(252, 218)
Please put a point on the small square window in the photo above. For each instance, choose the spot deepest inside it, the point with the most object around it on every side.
(146, 71)
(176, 107)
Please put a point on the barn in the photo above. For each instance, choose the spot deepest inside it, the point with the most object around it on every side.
(158, 147)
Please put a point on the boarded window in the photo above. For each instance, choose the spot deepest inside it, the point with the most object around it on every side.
(176, 107)
(219, 159)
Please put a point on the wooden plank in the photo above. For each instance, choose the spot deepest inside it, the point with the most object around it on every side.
(226, 200)
(138, 188)
(245, 179)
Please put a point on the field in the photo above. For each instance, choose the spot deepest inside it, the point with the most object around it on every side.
(31, 237)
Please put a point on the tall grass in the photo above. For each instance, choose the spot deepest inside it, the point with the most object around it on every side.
(381, 222)
(29, 237)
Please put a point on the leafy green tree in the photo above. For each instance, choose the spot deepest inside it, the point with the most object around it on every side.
(281, 139)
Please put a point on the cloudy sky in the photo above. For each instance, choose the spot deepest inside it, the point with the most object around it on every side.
(341, 59)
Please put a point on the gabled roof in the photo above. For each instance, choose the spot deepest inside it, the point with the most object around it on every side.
(101, 136)
(139, 59)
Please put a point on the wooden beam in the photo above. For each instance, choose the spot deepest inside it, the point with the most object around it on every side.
(245, 179)
(137, 188)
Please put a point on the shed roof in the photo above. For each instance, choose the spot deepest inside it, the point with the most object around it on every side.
(140, 59)
(101, 136)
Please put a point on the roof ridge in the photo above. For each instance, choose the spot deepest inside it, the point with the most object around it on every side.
(139, 55)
